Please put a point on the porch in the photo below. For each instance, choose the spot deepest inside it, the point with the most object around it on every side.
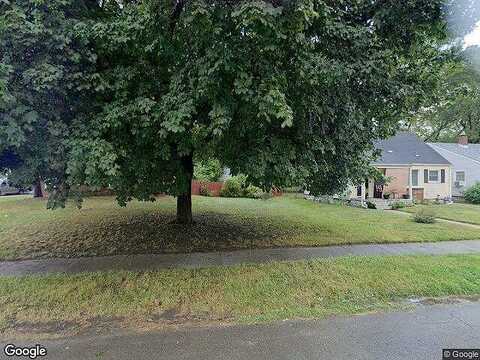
(380, 204)
(399, 183)
(386, 204)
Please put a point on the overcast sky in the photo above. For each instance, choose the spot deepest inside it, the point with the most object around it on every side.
(473, 38)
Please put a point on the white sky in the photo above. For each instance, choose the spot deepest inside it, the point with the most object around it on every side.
(473, 38)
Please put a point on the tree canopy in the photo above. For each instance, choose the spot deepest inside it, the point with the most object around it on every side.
(44, 90)
(454, 108)
(283, 91)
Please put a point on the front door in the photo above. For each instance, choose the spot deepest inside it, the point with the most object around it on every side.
(378, 190)
(418, 194)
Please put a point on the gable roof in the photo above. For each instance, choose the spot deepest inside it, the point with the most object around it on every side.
(471, 151)
(407, 149)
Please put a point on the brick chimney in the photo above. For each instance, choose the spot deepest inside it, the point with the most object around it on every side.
(463, 139)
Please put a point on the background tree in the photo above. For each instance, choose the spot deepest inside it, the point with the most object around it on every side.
(279, 90)
(455, 105)
(208, 170)
(44, 69)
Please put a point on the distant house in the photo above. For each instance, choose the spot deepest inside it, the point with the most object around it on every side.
(465, 159)
(415, 169)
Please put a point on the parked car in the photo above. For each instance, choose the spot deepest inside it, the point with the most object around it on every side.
(7, 188)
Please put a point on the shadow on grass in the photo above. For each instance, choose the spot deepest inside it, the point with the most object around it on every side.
(148, 233)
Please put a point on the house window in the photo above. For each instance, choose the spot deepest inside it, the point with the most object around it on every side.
(433, 176)
(414, 177)
(460, 176)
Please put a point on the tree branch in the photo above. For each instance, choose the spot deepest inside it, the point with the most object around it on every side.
(177, 10)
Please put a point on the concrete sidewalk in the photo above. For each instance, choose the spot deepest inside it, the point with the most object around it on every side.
(254, 256)
(419, 334)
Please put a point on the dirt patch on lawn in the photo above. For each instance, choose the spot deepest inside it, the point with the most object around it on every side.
(168, 320)
(52, 329)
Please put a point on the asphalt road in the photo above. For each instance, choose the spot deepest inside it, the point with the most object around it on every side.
(419, 334)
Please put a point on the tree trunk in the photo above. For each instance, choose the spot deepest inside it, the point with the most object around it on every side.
(37, 188)
(184, 201)
(184, 209)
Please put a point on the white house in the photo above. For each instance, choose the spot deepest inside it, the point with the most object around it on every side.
(465, 159)
(416, 171)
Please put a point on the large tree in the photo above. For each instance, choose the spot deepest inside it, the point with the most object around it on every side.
(283, 91)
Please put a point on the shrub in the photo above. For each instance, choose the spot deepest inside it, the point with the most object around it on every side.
(293, 189)
(398, 205)
(233, 187)
(236, 186)
(266, 195)
(208, 170)
(424, 216)
(253, 192)
(371, 205)
(204, 191)
(472, 194)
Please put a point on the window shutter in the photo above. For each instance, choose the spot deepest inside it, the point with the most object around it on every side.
(425, 176)
(442, 176)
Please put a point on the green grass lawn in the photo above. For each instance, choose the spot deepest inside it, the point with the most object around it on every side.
(101, 227)
(239, 294)
(458, 212)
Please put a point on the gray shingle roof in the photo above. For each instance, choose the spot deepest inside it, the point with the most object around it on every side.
(407, 149)
(471, 151)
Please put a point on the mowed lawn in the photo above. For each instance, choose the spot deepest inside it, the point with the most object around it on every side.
(101, 227)
(468, 213)
(249, 293)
